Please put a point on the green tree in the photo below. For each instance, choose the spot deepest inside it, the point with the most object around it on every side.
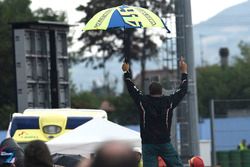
(49, 15)
(211, 84)
(241, 81)
(125, 112)
(233, 82)
(85, 100)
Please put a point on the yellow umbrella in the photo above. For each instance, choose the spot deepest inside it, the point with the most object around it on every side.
(124, 17)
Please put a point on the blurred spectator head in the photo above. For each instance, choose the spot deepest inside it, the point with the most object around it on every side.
(37, 155)
(11, 154)
(114, 154)
(84, 163)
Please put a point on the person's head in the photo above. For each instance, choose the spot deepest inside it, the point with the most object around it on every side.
(114, 154)
(155, 88)
(84, 163)
(9, 148)
(37, 154)
(196, 161)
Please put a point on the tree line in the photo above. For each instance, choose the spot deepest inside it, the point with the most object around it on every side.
(231, 82)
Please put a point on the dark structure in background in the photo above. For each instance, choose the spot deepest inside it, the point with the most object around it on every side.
(41, 65)
(188, 111)
(224, 53)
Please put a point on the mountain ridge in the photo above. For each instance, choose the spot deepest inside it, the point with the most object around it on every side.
(226, 29)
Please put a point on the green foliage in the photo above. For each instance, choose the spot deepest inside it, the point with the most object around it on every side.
(15, 10)
(109, 43)
(245, 53)
(48, 14)
(212, 84)
(125, 110)
(215, 82)
(5, 113)
(85, 100)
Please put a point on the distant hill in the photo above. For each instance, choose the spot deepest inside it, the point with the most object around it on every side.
(226, 29)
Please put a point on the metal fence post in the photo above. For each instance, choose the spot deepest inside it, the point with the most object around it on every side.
(213, 153)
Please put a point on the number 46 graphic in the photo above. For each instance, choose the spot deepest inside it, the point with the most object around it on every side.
(130, 17)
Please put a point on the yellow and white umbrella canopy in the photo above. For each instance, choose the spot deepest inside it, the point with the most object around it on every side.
(124, 17)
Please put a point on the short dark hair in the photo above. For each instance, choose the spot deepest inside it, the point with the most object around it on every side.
(155, 88)
(37, 154)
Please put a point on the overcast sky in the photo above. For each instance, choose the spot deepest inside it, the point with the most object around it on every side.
(201, 9)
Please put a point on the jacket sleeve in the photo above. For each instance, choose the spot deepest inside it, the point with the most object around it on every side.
(178, 95)
(134, 92)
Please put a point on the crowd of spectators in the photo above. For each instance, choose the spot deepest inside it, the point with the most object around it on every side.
(37, 154)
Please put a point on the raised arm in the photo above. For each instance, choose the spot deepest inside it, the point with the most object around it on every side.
(178, 95)
(134, 92)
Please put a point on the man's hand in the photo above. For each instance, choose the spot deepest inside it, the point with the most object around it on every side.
(183, 66)
(125, 67)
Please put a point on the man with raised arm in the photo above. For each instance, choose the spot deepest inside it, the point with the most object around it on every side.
(156, 111)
